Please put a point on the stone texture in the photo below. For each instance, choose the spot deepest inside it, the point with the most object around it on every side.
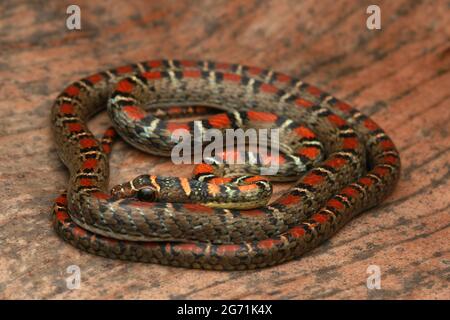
(398, 75)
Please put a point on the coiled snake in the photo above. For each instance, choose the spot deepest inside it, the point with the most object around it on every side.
(193, 235)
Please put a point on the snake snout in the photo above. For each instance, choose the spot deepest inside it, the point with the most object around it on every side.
(140, 188)
(122, 191)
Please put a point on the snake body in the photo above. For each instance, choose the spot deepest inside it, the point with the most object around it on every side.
(192, 235)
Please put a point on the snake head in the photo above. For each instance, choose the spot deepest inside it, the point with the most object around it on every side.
(140, 187)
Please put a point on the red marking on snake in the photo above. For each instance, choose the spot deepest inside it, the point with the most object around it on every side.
(228, 249)
(154, 63)
(90, 163)
(110, 133)
(111, 241)
(389, 159)
(289, 199)
(85, 182)
(342, 106)
(134, 112)
(197, 208)
(314, 91)
(232, 77)
(220, 180)
(106, 148)
(88, 143)
(247, 187)
(152, 75)
(303, 103)
(124, 69)
(255, 179)
(387, 144)
(350, 143)
(304, 132)
(172, 126)
(95, 78)
(350, 192)
(312, 179)
(187, 63)
(268, 243)
(142, 204)
(335, 162)
(66, 108)
(189, 247)
(320, 218)
(101, 195)
(72, 90)
(213, 189)
(203, 168)
(310, 152)
(62, 216)
(192, 74)
(220, 121)
(381, 171)
(74, 127)
(335, 119)
(268, 88)
(261, 116)
(268, 159)
(369, 124)
(283, 78)
(150, 244)
(175, 110)
(78, 232)
(297, 232)
(252, 213)
(366, 181)
(223, 66)
(61, 200)
(334, 203)
(124, 86)
(254, 70)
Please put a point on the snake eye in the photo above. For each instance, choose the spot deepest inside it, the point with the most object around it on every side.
(146, 194)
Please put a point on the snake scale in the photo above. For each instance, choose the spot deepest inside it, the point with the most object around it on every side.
(360, 169)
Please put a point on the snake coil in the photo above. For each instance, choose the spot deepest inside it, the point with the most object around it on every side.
(192, 235)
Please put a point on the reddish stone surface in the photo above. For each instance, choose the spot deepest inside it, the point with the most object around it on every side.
(399, 75)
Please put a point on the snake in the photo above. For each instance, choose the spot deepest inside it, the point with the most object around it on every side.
(361, 167)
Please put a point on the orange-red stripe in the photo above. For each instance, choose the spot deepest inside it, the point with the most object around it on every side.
(261, 116)
(172, 126)
(219, 121)
(304, 132)
(289, 199)
(88, 143)
(310, 152)
(134, 112)
(303, 103)
(312, 179)
(152, 75)
(231, 77)
(124, 86)
(192, 74)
